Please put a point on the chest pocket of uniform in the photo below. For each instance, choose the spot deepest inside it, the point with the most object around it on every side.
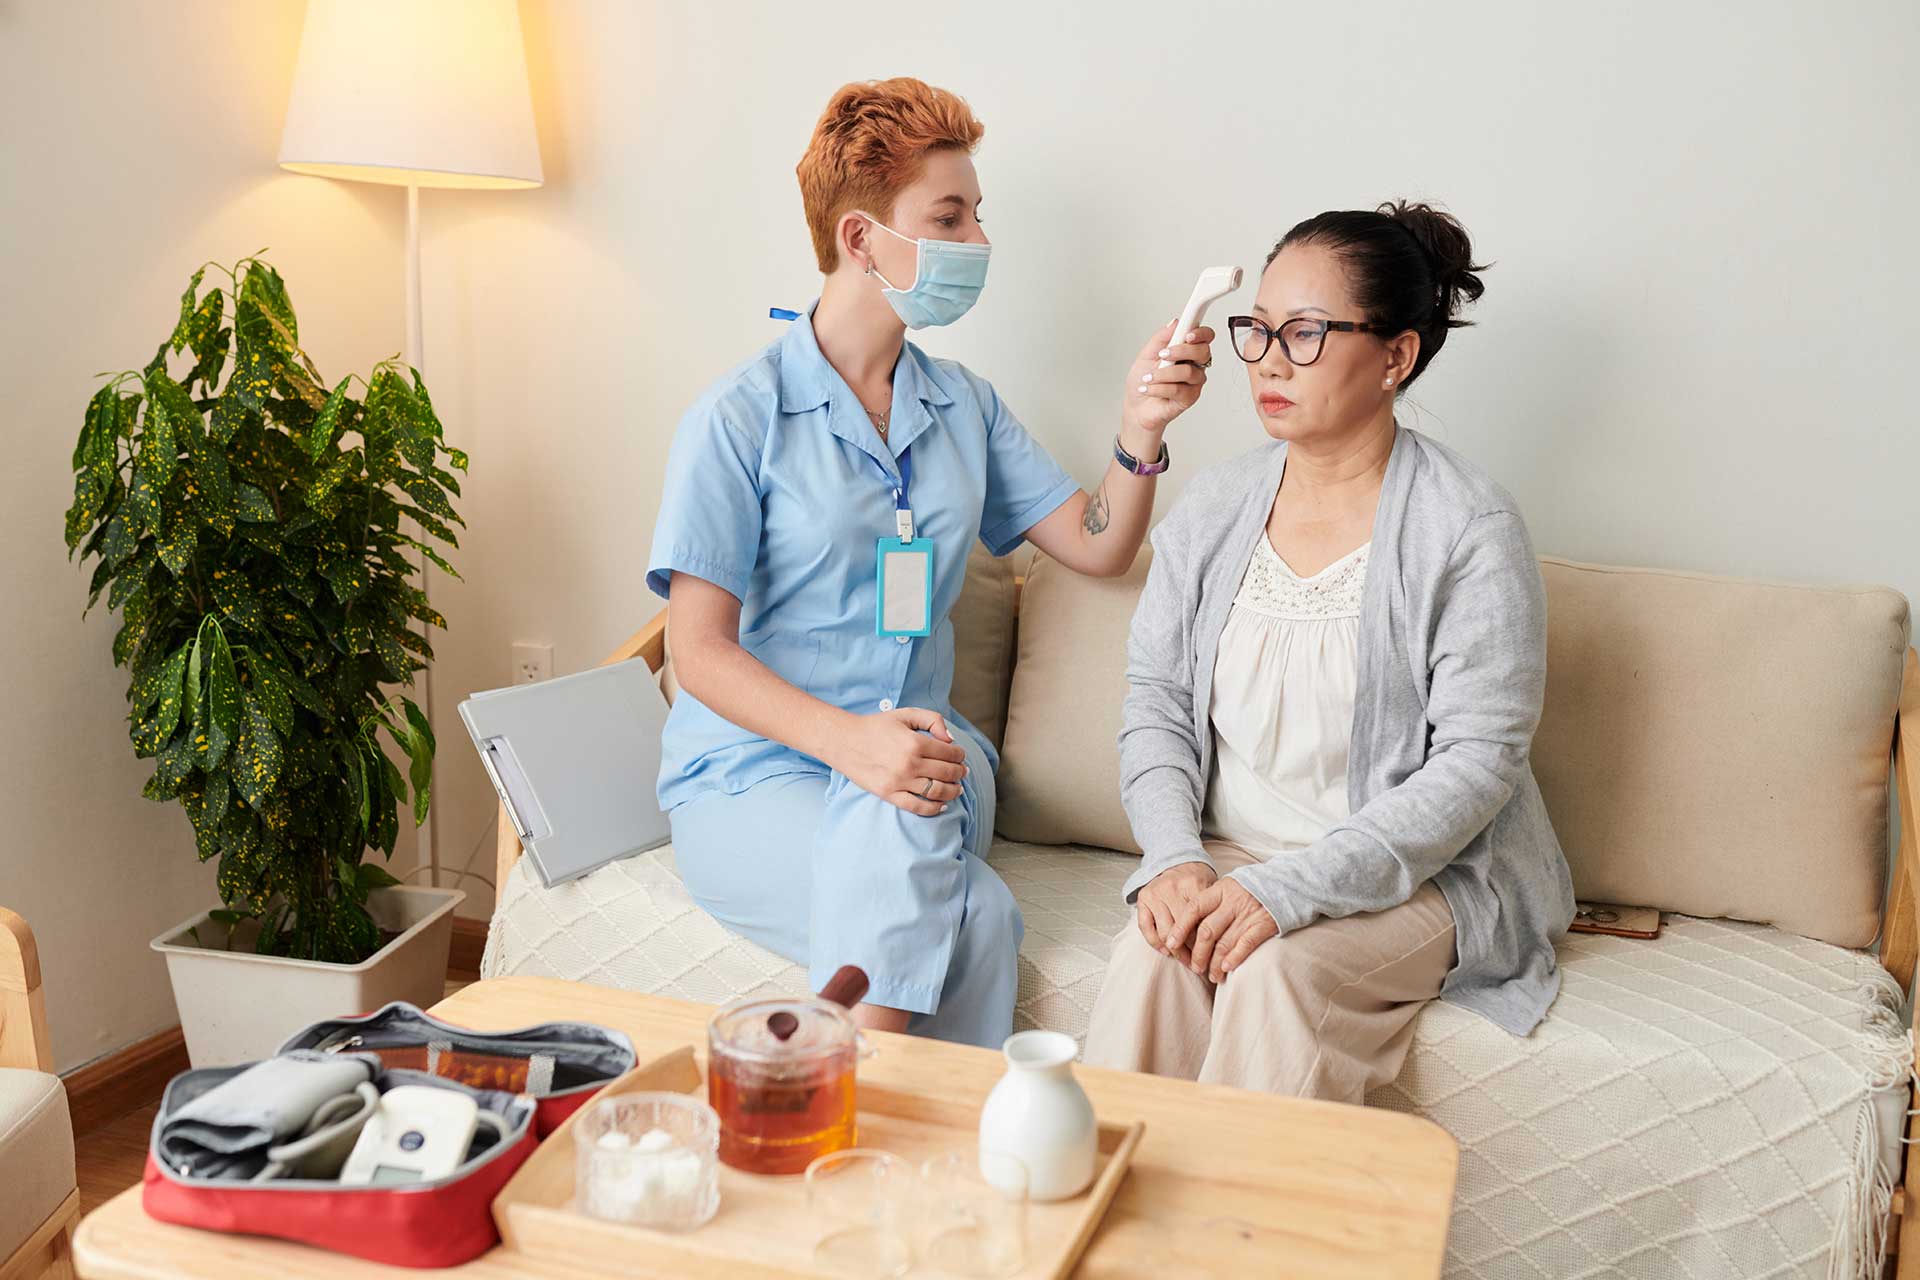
(792, 655)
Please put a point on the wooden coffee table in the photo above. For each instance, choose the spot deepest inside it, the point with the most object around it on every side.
(1225, 1183)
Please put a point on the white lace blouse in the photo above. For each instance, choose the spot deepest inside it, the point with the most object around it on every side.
(1282, 704)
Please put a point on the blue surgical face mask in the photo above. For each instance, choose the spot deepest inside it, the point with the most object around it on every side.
(948, 277)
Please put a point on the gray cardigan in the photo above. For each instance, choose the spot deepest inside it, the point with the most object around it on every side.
(1452, 668)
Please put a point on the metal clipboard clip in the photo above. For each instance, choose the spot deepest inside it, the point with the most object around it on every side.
(510, 782)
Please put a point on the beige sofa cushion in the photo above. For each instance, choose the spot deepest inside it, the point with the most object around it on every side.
(36, 1153)
(983, 620)
(1720, 747)
(1060, 767)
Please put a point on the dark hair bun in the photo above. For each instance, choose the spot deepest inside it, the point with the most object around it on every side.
(1409, 266)
(1449, 254)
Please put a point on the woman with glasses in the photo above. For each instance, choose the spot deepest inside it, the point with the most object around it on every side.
(1334, 676)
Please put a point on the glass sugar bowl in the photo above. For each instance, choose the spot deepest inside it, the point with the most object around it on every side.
(648, 1159)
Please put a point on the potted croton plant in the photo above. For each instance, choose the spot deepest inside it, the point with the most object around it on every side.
(258, 534)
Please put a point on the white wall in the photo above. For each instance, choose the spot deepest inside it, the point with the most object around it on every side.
(136, 142)
(1694, 350)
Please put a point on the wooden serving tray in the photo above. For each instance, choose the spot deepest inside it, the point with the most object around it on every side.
(763, 1228)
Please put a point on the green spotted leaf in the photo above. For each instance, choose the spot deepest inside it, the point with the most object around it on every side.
(420, 759)
(392, 655)
(428, 495)
(176, 542)
(171, 414)
(192, 709)
(230, 414)
(256, 754)
(347, 577)
(430, 525)
(161, 700)
(414, 602)
(273, 694)
(251, 504)
(327, 422)
(175, 766)
(187, 308)
(223, 693)
(236, 599)
(215, 803)
(457, 459)
(320, 492)
(210, 482)
(143, 499)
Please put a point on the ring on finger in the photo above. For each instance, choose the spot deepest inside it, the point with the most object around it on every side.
(926, 792)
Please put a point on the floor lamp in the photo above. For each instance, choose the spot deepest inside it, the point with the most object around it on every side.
(413, 93)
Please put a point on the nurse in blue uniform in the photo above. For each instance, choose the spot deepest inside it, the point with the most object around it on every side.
(819, 504)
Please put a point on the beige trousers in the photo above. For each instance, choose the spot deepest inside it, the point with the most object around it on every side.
(1322, 1012)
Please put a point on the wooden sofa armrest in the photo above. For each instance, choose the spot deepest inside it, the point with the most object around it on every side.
(1900, 936)
(23, 1012)
(650, 643)
(1898, 943)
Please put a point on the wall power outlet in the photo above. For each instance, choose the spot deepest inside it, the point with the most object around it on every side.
(532, 663)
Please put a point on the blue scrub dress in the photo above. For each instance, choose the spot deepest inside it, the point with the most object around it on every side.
(778, 490)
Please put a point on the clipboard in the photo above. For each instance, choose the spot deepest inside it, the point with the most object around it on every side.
(576, 762)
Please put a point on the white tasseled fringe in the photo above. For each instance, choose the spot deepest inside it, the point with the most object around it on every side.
(1860, 1229)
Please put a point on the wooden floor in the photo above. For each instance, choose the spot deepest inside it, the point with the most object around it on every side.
(110, 1157)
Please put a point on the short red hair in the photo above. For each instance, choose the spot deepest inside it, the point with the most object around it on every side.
(871, 144)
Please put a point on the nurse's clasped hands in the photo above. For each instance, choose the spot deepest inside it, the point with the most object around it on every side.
(906, 756)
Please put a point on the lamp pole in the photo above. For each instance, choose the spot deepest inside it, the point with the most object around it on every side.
(428, 835)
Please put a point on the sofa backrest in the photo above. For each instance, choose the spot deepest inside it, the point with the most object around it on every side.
(1722, 747)
(1709, 746)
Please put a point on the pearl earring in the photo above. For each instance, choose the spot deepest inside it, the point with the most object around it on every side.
(1387, 383)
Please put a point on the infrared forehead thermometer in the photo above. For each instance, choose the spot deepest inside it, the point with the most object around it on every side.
(1214, 284)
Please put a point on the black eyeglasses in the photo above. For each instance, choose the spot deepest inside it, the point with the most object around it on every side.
(1301, 338)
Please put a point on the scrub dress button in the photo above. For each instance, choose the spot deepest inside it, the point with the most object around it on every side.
(886, 704)
(902, 639)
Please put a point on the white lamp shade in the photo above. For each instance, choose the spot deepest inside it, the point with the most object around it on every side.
(429, 93)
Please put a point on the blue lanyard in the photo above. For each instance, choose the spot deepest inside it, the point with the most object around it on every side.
(902, 512)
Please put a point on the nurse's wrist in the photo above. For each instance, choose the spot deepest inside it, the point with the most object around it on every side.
(1141, 443)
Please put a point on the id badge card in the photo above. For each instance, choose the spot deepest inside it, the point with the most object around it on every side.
(905, 581)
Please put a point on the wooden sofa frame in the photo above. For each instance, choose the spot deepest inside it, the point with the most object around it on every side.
(24, 1044)
(1899, 927)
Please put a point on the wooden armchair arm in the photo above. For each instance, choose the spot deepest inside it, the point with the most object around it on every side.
(650, 643)
(1900, 936)
(1899, 942)
(23, 1012)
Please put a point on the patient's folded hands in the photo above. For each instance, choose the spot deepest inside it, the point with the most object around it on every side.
(1159, 905)
(1219, 928)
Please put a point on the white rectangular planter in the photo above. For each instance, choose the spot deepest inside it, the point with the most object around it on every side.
(236, 1006)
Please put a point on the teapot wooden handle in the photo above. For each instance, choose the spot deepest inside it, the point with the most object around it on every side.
(846, 987)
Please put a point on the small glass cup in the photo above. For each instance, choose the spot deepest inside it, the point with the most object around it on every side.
(861, 1201)
(650, 1159)
(974, 1227)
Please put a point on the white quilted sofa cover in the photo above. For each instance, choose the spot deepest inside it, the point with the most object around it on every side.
(1725, 1101)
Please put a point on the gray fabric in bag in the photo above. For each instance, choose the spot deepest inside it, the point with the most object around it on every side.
(227, 1131)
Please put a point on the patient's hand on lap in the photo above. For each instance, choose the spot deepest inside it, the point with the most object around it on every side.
(1159, 904)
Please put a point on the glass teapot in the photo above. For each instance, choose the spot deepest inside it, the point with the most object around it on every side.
(780, 1073)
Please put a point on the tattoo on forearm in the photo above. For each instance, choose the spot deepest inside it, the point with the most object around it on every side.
(1096, 518)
